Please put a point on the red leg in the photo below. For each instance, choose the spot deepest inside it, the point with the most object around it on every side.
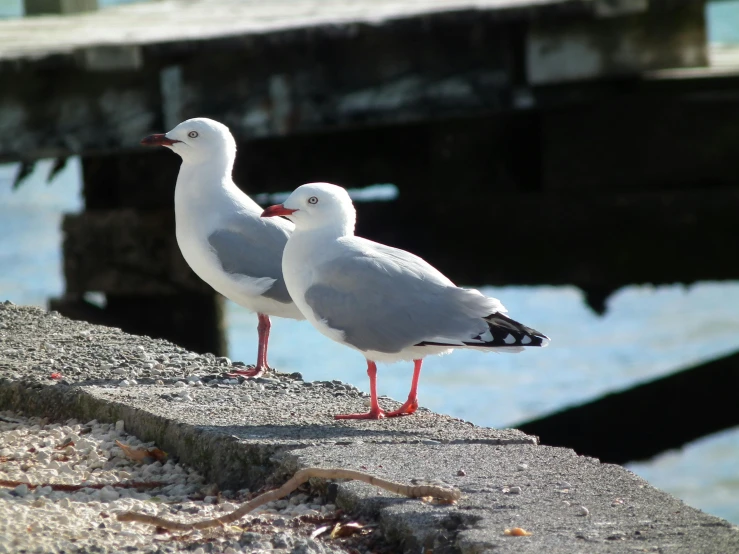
(375, 410)
(263, 328)
(411, 405)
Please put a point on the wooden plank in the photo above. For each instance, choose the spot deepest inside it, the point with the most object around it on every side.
(67, 111)
(102, 97)
(638, 143)
(599, 242)
(650, 418)
(665, 36)
(143, 180)
(126, 253)
(474, 154)
(38, 7)
(387, 74)
(191, 320)
(186, 21)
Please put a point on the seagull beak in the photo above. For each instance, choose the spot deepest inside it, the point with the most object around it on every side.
(277, 209)
(158, 140)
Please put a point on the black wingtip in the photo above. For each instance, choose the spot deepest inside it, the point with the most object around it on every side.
(507, 332)
(503, 332)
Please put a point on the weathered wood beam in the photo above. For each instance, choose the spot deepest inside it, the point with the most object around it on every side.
(650, 418)
(378, 74)
(39, 7)
(593, 241)
(636, 143)
(471, 153)
(192, 320)
(603, 240)
(141, 179)
(126, 253)
(67, 111)
(105, 97)
(664, 36)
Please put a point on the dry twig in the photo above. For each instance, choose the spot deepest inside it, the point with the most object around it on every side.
(300, 477)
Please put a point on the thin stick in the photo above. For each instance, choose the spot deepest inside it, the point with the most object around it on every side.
(441, 493)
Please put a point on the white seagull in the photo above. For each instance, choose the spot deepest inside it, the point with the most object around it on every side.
(219, 230)
(387, 303)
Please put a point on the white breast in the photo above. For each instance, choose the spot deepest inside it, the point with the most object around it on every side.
(198, 214)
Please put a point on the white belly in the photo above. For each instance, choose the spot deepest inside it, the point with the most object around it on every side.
(245, 291)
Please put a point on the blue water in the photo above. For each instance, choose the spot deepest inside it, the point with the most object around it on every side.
(647, 332)
(723, 21)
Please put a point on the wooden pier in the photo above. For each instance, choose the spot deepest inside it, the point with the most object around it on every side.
(584, 142)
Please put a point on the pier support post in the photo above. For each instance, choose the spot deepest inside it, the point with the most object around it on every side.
(39, 7)
(123, 245)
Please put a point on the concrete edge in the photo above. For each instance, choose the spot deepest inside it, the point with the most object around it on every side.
(224, 460)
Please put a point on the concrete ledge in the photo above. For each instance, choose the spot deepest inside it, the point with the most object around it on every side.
(256, 433)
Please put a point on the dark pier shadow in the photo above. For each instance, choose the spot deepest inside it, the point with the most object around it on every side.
(650, 418)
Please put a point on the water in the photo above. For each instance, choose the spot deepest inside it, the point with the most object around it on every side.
(723, 21)
(646, 333)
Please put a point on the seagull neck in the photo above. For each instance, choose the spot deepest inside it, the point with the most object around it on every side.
(217, 165)
(330, 231)
(202, 176)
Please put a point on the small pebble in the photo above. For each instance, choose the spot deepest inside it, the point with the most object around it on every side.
(180, 384)
(583, 511)
(119, 426)
(522, 467)
(461, 473)
(515, 490)
(108, 494)
(21, 490)
(124, 383)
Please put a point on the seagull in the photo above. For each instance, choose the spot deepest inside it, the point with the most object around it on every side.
(219, 231)
(387, 303)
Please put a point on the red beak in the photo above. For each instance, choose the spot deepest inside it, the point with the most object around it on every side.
(277, 209)
(158, 140)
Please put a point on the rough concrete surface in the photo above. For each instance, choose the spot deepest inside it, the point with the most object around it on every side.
(252, 432)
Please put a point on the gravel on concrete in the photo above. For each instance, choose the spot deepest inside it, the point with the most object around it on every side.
(34, 451)
(241, 433)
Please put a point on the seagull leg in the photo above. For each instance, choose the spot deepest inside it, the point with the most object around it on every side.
(375, 410)
(411, 405)
(263, 328)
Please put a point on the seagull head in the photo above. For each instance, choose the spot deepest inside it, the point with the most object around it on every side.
(317, 205)
(197, 140)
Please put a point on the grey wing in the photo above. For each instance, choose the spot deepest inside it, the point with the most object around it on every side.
(253, 247)
(385, 303)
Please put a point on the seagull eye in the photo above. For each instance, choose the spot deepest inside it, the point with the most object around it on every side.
(312, 200)
(192, 134)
